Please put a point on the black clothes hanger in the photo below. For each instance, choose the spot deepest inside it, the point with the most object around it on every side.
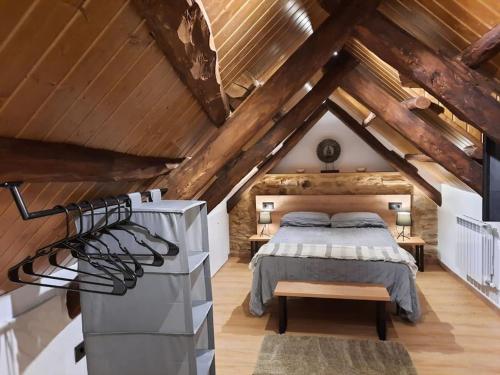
(117, 286)
(157, 257)
(93, 234)
(111, 261)
(173, 249)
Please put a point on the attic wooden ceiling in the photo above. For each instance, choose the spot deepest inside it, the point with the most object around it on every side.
(89, 72)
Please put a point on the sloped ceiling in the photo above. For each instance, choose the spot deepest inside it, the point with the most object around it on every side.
(88, 72)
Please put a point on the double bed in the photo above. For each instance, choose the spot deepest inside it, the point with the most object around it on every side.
(397, 276)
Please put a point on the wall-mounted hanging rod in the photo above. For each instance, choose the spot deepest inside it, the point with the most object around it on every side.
(27, 215)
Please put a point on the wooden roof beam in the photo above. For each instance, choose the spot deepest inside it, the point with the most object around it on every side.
(182, 30)
(37, 161)
(240, 165)
(418, 102)
(419, 157)
(272, 160)
(482, 50)
(459, 88)
(267, 100)
(426, 138)
(397, 162)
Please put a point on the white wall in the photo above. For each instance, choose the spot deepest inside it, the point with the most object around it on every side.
(355, 152)
(36, 335)
(218, 237)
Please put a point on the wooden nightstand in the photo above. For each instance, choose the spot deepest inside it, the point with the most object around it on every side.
(256, 241)
(418, 244)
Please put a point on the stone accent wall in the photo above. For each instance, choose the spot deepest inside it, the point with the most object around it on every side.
(242, 217)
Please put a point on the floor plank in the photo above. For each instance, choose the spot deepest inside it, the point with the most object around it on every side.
(459, 333)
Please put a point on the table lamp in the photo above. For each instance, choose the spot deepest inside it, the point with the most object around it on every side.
(265, 220)
(403, 219)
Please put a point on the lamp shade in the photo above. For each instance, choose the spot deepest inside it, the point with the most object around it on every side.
(403, 218)
(265, 217)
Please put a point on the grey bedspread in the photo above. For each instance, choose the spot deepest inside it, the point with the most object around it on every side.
(396, 277)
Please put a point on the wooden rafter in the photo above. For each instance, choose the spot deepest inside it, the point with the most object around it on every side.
(482, 49)
(418, 157)
(267, 100)
(418, 102)
(425, 137)
(397, 162)
(459, 88)
(272, 160)
(182, 31)
(239, 166)
(37, 161)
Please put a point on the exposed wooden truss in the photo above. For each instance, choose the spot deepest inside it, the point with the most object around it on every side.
(182, 31)
(418, 157)
(418, 102)
(37, 161)
(272, 160)
(239, 166)
(397, 162)
(461, 89)
(426, 138)
(474, 152)
(482, 49)
(260, 107)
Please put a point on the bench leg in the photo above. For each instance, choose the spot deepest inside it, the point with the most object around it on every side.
(381, 320)
(282, 314)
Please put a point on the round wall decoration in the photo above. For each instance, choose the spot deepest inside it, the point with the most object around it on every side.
(328, 150)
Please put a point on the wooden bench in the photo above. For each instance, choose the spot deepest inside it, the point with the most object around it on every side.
(333, 290)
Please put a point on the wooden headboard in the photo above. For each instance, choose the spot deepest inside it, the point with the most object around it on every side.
(332, 204)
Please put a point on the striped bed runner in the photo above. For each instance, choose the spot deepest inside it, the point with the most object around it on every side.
(347, 252)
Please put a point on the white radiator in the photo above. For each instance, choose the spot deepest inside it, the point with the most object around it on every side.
(477, 255)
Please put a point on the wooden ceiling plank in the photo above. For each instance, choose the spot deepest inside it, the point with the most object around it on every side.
(120, 31)
(397, 162)
(272, 160)
(482, 49)
(182, 31)
(248, 59)
(53, 66)
(248, 29)
(41, 27)
(226, 60)
(239, 166)
(62, 124)
(260, 107)
(452, 83)
(427, 139)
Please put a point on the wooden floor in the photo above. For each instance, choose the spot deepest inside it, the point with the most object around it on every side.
(459, 333)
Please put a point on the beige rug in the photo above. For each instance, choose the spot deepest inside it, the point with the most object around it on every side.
(308, 355)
